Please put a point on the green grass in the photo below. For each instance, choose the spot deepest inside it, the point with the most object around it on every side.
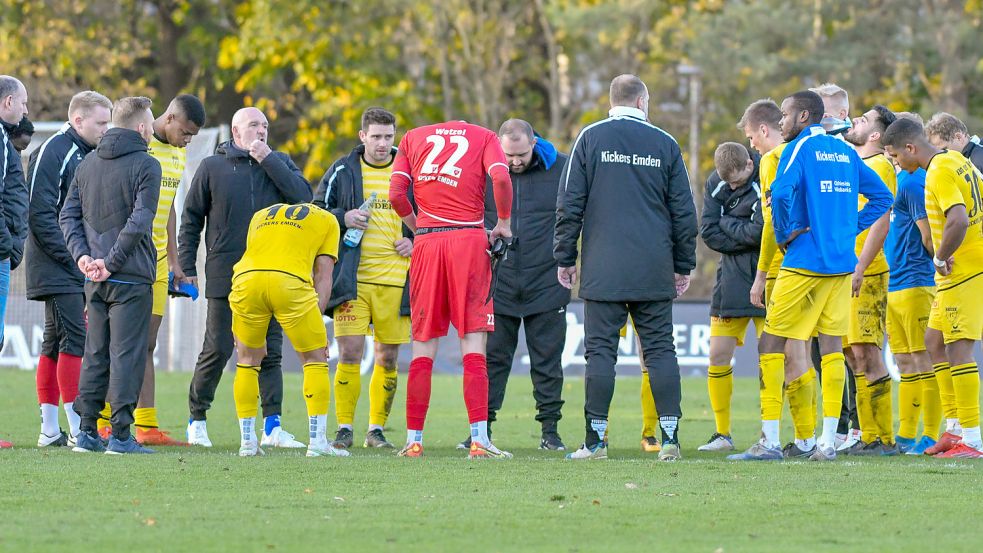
(193, 499)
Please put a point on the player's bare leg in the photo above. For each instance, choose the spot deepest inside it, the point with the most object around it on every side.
(148, 428)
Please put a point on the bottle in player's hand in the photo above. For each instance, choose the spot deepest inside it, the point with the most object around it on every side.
(353, 236)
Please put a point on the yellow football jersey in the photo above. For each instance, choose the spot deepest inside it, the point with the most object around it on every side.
(379, 263)
(884, 169)
(172, 160)
(770, 258)
(952, 180)
(287, 239)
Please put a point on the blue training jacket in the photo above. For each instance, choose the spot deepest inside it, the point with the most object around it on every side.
(819, 178)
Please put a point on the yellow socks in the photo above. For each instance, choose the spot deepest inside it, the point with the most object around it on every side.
(347, 388)
(103, 421)
(650, 417)
(966, 385)
(800, 393)
(943, 376)
(882, 408)
(145, 417)
(864, 413)
(317, 388)
(382, 390)
(834, 378)
(772, 379)
(909, 404)
(720, 384)
(245, 389)
(931, 406)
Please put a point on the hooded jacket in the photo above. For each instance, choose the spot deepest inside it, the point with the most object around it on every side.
(339, 192)
(50, 267)
(819, 179)
(13, 200)
(227, 189)
(731, 225)
(974, 152)
(527, 282)
(109, 213)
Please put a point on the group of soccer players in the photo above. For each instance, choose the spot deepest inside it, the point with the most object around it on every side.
(871, 230)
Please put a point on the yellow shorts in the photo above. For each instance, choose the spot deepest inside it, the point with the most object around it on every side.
(258, 295)
(803, 302)
(735, 327)
(376, 305)
(769, 288)
(957, 311)
(868, 311)
(907, 318)
(160, 288)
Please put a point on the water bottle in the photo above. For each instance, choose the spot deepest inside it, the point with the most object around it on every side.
(354, 235)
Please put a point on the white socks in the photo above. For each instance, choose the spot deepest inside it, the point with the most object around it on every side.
(74, 420)
(770, 430)
(318, 428)
(828, 438)
(479, 432)
(971, 437)
(49, 419)
(414, 436)
(247, 429)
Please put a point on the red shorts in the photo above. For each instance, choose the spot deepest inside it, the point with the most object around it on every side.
(450, 274)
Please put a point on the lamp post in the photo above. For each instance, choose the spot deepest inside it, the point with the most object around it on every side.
(692, 75)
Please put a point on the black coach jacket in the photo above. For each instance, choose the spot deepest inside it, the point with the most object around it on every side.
(527, 282)
(731, 225)
(50, 267)
(13, 200)
(111, 204)
(626, 194)
(340, 191)
(227, 190)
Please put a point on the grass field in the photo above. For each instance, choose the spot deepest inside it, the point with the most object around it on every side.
(211, 500)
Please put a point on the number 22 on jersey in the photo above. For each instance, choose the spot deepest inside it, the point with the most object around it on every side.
(431, 166)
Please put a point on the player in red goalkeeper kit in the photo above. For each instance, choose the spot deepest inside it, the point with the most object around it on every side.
(450, 272)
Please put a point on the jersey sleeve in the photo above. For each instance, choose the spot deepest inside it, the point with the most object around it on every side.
(332, 233)
(946, 189)
(401, 179)
(769, 246)
(493, 161)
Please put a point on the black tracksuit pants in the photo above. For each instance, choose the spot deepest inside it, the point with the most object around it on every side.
(217, 349)
(115, 353)
(653, 323)
(545, 336)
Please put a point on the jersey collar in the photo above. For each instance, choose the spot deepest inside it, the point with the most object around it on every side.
(621, 111)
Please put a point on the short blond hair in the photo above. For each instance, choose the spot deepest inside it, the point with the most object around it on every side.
(944, 126)
(909, 115)
(129, 112)
(729, 159)
(83, 103)
(836, 95)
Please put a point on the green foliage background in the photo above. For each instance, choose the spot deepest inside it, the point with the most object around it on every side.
(313, 66)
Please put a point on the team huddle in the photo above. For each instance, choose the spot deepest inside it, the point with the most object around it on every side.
(834, 234)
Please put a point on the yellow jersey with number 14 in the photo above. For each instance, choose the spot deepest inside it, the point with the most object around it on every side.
(287, 239)
(951, 180)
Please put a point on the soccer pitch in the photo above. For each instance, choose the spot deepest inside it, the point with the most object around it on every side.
(211, 500)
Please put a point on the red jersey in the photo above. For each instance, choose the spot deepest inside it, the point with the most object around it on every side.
(446, 164)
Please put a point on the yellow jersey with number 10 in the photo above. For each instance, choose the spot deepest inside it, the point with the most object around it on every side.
(951, 180)
(287, 239)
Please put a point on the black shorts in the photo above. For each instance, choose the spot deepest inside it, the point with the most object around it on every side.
(64, 325)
